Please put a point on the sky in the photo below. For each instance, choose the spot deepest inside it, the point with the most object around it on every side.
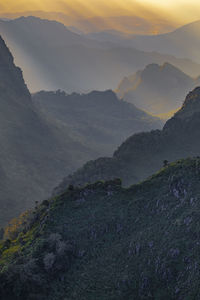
(160, 13)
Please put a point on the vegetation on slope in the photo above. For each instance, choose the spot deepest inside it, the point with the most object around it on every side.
(142, 154)
(107, 242)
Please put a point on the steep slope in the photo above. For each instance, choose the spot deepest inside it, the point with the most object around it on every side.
(106, 242)
(53, 58)
(33, 150)
(93, 118)
(157, 89)
(143, 154)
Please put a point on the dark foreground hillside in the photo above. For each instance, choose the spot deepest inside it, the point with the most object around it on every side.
(106, 242)
(143, 154)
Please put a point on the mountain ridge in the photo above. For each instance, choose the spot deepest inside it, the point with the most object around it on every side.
(73, 66)
(143, 154)
(157, 89)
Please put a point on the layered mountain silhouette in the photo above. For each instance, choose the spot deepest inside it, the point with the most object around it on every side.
(98, 119)
(182, 42)
(52, 57)
(157, 89)
(43, 138)
(97, 25)
(107, 242)
(143, 154)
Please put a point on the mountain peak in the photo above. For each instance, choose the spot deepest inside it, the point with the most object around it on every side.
(193, 96)
(191, 104)
(157, 89)
(5, 55)
(10, 75)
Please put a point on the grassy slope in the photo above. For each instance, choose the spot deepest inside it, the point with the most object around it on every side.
(110, 242)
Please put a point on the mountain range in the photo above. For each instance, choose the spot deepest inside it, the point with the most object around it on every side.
(99, 119)
(143, 154)
(121, 227)
(32, 150)
(126, 24)
(52, 57)
(158, 90)
(40, 144)
(182, 42)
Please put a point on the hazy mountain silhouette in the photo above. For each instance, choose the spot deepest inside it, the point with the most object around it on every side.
(183, 42)
(106, 242)
(113, 36)
(143, 154)
(98, 119)
(53, 58)
(127, 24)
(157, 89)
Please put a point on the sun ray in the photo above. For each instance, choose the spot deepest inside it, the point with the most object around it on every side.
(159, 14)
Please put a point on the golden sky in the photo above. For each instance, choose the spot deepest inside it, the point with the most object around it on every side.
(174, 12)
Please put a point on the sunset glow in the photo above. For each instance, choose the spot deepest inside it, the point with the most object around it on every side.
(161, 14)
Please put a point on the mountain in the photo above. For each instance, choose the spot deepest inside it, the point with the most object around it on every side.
(182, 42)
(128, 24)
(106, 242)
(113, 36)
(51, 134)
(33, 149)
(157, 89)
(93, 118)
(52, 57)
(143, 154)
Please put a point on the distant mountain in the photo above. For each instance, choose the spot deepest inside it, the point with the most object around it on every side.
(157, 89)
(143, 154)
(105, 242)
(52, 57)
(128, 24)
(183, 42)
(113, 36)
(98, 119)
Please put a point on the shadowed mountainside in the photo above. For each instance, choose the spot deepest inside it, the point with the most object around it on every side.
(38, 149)
(32, 150)
(99, 119)
(143, 154)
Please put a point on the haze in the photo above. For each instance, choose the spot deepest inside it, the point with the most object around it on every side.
(162, 15)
